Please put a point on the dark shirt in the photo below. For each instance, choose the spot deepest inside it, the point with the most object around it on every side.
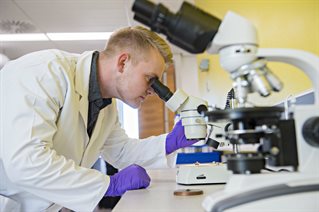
(96, 102)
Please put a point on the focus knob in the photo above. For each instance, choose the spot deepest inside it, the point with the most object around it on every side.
(212, 143)
(310, 131)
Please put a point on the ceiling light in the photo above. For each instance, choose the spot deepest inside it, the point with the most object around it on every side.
(56, 36)
(23, 37)
(79, 36)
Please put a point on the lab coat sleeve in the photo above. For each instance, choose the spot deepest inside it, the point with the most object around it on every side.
(122, 151)
(30, 109)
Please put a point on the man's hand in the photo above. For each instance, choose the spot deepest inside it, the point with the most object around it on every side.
(176, 139)
(131, 178)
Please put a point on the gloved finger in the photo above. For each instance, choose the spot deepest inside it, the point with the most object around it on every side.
(187, 143)
(145, 184)
(192, 141)
(144, 179)
(179, 122)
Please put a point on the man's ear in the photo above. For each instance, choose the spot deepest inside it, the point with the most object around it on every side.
(122, 60)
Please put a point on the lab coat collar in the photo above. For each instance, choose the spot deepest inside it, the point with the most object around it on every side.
(88, 157)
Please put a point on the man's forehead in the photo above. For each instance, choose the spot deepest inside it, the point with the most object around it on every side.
(158, 66)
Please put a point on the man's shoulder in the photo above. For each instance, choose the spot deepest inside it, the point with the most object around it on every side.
(46, 55)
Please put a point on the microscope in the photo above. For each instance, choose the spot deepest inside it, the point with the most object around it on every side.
(283, 172)
(190, 109)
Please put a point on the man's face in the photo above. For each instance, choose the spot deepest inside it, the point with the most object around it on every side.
(134, 83)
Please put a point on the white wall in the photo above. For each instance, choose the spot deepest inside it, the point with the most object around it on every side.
(186, 74)
(205, 85)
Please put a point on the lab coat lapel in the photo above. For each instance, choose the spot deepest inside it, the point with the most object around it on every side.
(82, 77)
(89, 157)
(84, 107)
(83, 67)
(82, 88)
(98, 126)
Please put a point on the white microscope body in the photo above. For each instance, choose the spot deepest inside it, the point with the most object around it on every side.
(186, 106)
(291, 141)
(236, 43)
(195, 127)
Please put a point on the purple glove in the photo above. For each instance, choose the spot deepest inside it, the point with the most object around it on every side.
(131, 178)
(176, 139)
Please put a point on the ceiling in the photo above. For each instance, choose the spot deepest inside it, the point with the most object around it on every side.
(45, 16)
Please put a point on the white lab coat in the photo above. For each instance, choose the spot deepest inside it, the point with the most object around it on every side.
(45, 152)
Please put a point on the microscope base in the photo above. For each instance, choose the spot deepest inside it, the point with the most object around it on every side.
(266, 192)
(207, 173)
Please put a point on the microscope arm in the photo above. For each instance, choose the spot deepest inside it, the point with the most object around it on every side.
(305, 61)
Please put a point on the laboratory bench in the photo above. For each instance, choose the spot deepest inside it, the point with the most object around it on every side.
(159, 196)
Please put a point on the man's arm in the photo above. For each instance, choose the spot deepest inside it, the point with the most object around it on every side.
(32, 100)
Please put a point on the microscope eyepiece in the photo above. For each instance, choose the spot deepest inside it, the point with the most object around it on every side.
(160, 89)
(143, 8)
(190, 28)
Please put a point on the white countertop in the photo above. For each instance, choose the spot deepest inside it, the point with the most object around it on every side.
(159, 196)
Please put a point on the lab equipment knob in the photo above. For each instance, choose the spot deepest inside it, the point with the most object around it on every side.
(212, 143)
(310, 131)
(202, 109)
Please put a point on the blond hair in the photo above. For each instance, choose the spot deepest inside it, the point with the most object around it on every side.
(138, 40)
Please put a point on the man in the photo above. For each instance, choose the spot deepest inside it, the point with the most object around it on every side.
(58, 117)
